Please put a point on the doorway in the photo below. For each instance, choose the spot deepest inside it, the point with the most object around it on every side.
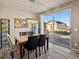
(4, 29)
(35, 28)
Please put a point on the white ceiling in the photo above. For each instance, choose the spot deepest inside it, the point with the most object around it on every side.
(36, 7)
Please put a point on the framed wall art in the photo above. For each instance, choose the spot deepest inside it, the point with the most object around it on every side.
(20, 23)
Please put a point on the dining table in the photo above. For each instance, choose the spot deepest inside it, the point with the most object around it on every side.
(23, 39)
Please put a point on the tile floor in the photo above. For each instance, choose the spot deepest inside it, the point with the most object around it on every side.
(54, 52)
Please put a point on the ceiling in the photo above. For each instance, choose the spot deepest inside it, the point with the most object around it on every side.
(35, 7)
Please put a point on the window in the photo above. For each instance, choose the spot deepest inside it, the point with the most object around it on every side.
(60, 26)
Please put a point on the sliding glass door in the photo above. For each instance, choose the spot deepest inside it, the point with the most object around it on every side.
(58, 26)
(62, 27)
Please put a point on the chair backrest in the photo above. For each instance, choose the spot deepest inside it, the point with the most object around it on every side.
(41, 41)
(32, 43)
(9, 40)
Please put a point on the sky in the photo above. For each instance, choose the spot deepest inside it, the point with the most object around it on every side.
(63, 16)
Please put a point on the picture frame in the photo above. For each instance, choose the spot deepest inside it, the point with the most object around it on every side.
(20, 23)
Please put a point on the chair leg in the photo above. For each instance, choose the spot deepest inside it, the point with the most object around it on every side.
(36, 52)
(44, 48)
(12, 55)
(47, 43)
(23, 51)
(28, 54)
(39, 52)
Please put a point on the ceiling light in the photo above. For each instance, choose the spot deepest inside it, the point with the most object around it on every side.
(32, 1)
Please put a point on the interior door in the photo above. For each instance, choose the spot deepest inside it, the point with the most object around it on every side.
(4, 29)
(35, 28)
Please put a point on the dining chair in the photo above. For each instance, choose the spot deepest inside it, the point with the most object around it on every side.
(41, 42)
(13, 47)
(31, 44)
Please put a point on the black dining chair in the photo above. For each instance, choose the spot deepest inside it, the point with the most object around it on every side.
(41, 43)
(31, 44)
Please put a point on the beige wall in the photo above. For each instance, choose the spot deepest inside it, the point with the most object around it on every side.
(75, 25)
(11, 13)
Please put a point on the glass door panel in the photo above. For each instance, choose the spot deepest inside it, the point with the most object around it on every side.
(4, 29)
(62, 24)
(35, 28)
(57, 24)
(0, 34)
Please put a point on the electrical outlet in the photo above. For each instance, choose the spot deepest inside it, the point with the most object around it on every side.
(76, 44)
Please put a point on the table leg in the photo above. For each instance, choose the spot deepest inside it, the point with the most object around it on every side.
(47, 43)
(20, 51)
(15, 41)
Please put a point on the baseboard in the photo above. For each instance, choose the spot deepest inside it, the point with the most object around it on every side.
(77, 51)
(60, 44)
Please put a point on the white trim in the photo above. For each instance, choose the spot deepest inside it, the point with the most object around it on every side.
(76, 50)
(56, 10)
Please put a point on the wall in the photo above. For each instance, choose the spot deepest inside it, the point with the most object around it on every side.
(11, 13)
(75, 25)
